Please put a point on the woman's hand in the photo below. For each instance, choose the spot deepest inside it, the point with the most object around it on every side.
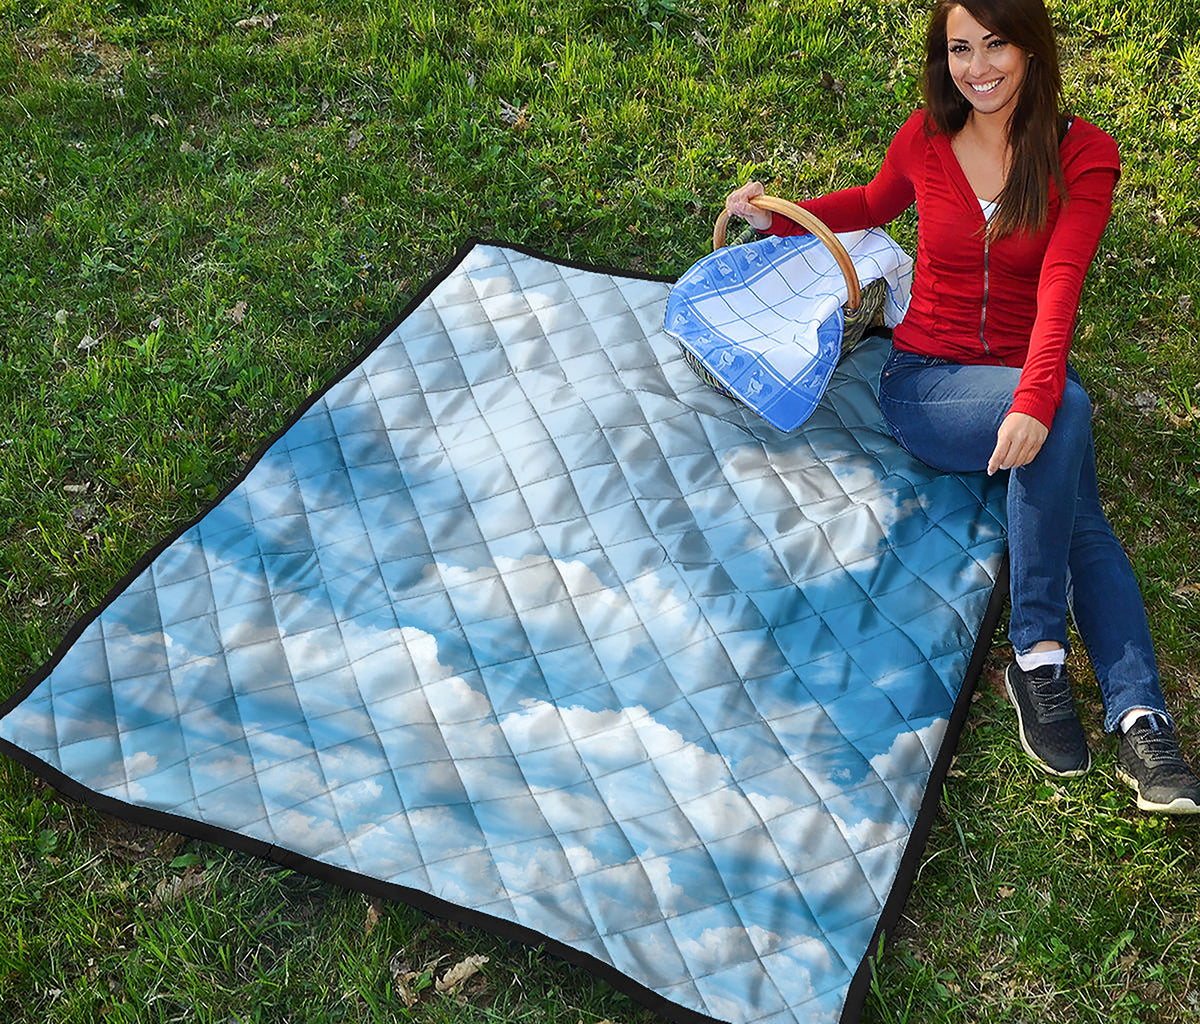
(737, 203)
(1018, 441)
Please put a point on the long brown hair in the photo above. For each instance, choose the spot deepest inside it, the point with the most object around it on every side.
(1035, 126)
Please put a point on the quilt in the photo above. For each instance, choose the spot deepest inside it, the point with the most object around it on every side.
(519, 622)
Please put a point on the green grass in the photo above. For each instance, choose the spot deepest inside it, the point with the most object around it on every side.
(200, 223)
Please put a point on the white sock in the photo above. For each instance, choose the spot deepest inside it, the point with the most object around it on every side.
(1028, 662)
(1130, 717)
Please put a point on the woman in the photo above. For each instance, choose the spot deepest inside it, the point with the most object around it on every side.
(1012, 198)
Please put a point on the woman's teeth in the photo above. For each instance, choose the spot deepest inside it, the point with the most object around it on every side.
(986, 88)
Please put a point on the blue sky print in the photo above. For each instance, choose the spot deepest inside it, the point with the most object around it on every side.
(520, 615)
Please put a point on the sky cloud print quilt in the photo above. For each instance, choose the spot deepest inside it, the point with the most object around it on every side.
(520, 622)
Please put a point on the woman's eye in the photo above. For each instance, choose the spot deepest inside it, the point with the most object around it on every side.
(958, 48)
(995, 44)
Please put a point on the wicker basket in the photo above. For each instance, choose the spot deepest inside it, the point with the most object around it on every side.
(863, 308)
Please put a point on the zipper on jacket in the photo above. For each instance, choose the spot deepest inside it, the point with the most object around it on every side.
(983, 308)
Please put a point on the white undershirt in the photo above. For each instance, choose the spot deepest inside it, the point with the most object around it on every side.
(988, 206)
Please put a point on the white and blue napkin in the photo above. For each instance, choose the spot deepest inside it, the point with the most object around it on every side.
(766, 318)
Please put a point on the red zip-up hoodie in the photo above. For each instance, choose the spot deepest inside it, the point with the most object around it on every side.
(1010, 301)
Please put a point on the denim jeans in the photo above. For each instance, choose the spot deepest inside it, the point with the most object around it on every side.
(1062, 550)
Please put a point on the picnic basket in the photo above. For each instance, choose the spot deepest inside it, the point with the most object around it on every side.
(862, 309)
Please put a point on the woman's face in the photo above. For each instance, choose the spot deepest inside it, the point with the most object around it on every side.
(987, 69)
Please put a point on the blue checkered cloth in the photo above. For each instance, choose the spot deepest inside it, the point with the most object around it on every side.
(766, 319)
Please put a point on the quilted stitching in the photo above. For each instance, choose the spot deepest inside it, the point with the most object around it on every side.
(521, 615)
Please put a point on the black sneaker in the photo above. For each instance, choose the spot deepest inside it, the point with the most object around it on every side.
(1050, 729)
(1149, 760)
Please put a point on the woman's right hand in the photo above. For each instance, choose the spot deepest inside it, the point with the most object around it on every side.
(1018, 441)
(737, 204)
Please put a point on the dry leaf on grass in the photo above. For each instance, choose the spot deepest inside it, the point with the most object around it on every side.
(403, 977)
(409, 983)
(169, 846)
(87, 341)
(257, 21)
(238, 313)
(831, 84)
(513, 116)
(461, 972)
(171, 889)
(1145, 401)
(374, 914)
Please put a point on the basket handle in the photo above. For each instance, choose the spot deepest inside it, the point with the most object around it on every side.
(806, 220)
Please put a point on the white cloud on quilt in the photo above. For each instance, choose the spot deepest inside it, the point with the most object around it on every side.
(120, 780)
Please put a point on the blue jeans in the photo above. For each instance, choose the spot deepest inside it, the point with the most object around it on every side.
(1061, 547)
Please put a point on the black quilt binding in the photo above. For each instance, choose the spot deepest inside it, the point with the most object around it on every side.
(910, 861)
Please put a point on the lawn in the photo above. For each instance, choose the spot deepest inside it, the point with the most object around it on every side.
(207, 208)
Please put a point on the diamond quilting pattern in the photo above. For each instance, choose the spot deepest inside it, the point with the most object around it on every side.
(520, 615)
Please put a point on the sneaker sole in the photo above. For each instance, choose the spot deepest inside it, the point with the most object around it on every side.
(1180, 805)
(1072, 773)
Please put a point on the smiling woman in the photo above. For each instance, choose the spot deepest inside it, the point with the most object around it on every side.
(1012, 197)
(996, 89)
(987, 69)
